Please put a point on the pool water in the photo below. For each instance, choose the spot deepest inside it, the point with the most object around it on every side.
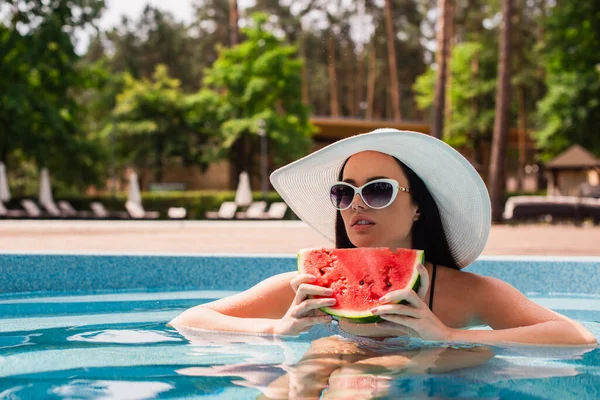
(117, 345)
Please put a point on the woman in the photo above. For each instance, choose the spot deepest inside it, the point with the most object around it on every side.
(394, 189)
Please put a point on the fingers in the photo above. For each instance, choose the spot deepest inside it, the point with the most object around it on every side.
(306, 307)
(398, 309)
(300, 279)
(403, 294)
(305, 290)
(424, 287)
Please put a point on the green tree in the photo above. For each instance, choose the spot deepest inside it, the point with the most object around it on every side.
(39, 114)
(156, 38)
(258, 82)
(156, 122)
(570, 111)
(468, 126)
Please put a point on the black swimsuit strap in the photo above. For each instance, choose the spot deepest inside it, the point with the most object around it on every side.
(432, 287)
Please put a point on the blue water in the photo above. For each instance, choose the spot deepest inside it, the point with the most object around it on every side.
(117, 345)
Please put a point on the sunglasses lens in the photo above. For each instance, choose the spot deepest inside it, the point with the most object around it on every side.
(378, 194)
(341, 196)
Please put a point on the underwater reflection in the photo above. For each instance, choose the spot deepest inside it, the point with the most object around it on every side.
(334, 367)
(337, 368)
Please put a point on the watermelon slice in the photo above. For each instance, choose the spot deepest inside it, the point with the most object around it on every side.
(360, 276)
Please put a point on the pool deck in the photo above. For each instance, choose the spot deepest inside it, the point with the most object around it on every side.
(274, 237)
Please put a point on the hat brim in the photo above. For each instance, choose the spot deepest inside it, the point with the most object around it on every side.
(458, 190)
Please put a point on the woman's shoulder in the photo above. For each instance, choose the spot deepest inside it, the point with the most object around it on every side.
(454, 281)
(471, 284)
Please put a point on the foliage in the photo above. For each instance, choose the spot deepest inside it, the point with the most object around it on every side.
(156, 121)
(39, 116)
(197, 203)
(258, 87)
(570, 111)
(472, 98)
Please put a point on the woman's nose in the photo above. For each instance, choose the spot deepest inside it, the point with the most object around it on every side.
(357, 202)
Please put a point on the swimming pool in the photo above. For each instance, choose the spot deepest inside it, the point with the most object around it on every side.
(93, 326)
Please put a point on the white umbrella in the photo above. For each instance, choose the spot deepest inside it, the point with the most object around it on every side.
(45, 188)
(243, 194)
(134, 189)
(4, 190)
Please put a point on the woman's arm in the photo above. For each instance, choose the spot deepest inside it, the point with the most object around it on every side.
(515, 318)
(253, 310)
(281, 304)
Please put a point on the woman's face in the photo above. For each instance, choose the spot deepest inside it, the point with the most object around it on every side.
(386, 227)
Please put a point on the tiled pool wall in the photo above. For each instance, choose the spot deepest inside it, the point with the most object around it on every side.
(56, 273)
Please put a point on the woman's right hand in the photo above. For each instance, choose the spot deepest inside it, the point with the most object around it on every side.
(304, 311)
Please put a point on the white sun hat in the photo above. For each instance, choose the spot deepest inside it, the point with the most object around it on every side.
(458, 190)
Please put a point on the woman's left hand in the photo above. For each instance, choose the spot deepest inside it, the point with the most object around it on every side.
(416, 316)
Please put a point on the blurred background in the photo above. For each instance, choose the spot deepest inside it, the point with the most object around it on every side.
(175, 104)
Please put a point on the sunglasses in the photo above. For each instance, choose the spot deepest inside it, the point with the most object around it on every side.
(376, 194)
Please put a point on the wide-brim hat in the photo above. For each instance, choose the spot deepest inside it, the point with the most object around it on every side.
(458, 190)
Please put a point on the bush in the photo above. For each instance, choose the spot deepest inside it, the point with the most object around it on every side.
(195, 202)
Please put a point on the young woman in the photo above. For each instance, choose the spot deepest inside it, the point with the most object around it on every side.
(394, 189)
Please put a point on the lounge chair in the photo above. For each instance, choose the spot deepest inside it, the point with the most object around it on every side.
(256, 210)
(226, 211)
(590, 209)
(523, 208)
(6, 213)
(67, 209)
(136, 211)
(100, 212)
(176, 212)
(277, 210)
(32, 209)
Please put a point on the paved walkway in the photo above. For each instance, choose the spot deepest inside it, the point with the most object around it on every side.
(255, 237)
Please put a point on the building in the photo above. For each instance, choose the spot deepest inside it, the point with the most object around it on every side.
(572, 170)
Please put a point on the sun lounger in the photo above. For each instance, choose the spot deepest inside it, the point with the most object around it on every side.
(535, 208)
(277, 210)
(136, 211)
(6, 213)
(256, 210)
(226, 211)
(67, 209)
(176, 212)
(590, 209)
(99, 211)
(32, 209)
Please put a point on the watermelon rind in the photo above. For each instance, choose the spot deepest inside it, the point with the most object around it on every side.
(365, 317)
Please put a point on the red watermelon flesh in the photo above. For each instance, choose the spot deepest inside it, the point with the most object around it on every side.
(360, 276)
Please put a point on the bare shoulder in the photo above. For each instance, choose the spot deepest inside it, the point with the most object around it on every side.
(486, 299)
(472, 285)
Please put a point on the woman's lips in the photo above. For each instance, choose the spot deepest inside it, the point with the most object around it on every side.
(362, 227)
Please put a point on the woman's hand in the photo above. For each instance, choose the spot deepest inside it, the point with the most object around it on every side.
(304, 312)
(415, 316)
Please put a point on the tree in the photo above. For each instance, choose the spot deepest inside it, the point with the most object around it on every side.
(469, 127)
(233, 22)
(501, 123)
(39, 114)
(259, 82)
(156, 122)
(570, 111)
(443, 56)
(392, 61)
(157, 38)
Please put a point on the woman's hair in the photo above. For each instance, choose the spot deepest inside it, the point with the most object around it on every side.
(427, 232)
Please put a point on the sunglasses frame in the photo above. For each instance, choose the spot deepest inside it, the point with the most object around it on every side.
(358, 190)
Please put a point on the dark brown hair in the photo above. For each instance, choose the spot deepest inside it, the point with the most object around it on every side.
(427, 232)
